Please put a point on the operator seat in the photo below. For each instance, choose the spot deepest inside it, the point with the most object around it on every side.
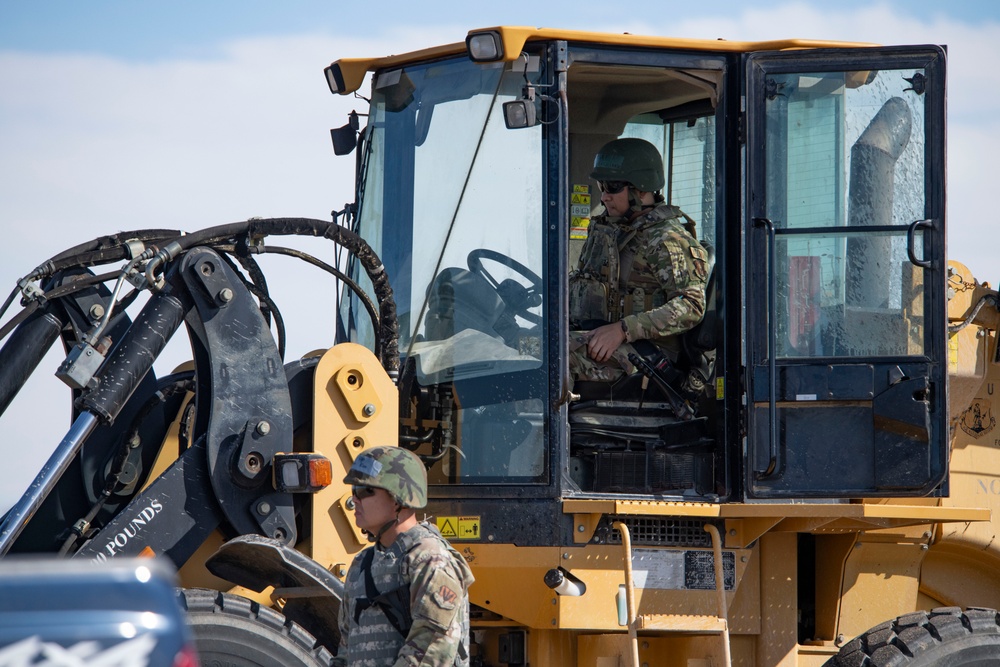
(624, 439)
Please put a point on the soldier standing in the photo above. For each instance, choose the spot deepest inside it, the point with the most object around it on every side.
(641, 274)
(406, 596)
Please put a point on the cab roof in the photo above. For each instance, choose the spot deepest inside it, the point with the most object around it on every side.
(352, 71)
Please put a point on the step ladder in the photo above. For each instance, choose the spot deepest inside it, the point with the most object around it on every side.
(718, 624)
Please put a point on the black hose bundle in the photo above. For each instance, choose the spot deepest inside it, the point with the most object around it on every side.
(237, 238)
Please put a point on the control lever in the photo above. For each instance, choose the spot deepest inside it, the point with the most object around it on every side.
(680, 407)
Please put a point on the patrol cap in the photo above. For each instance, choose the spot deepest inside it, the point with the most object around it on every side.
(634, 161)
(399, 471)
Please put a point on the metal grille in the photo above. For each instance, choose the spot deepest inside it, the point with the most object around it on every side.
(644, 472)
(658, 531)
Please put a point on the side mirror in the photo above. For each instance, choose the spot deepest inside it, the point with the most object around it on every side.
(345, 139)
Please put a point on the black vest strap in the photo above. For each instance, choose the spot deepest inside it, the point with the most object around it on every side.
(395, 604)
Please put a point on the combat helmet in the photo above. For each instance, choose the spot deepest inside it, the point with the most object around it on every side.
(394, 469)
(634, 161)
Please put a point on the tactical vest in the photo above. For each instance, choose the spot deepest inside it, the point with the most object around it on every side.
(611, 281)
(380, 598)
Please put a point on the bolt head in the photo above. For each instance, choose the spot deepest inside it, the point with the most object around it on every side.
(263, 427)
(263, 508)
(368, 410)
(225, 295)
(254, 463)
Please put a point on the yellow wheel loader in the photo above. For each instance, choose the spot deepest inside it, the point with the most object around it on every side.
(825, 496)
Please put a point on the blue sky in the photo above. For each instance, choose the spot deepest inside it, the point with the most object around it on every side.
(120, 114)
(141, 30)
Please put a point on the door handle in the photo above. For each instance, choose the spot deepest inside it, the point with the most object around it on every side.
(774, 454)
(911, 242)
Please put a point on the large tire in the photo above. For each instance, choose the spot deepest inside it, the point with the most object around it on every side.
(236, 632)
(944, 637)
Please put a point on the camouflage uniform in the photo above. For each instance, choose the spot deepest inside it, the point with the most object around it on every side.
(663, 294)
(437, 579)
(413, 609)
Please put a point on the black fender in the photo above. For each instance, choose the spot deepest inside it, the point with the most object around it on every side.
(312, 593)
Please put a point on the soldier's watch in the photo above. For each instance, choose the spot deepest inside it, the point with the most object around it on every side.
(624, 329)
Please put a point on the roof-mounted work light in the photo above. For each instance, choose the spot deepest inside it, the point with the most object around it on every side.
(484, 47)
(335, 79)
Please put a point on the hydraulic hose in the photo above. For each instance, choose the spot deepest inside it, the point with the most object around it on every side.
(388, 324)
(173, 242)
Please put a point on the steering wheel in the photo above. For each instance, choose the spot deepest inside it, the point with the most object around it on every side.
(515, 295)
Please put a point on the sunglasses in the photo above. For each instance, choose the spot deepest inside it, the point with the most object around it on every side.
(362, 492)
(612, 187)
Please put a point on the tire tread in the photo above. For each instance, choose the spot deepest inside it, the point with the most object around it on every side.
(895, 643)
(205, 600)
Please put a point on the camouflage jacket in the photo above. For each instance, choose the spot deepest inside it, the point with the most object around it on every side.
(424, 570)
(650, 273)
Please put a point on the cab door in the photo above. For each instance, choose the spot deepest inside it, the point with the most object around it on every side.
(845, 266)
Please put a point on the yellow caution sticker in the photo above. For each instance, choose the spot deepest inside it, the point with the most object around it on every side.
(580, 198)
(581, 188)
(459, 527)
(720, 388)
(953, 352)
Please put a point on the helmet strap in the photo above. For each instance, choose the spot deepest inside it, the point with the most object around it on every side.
(635, 203)
(386, 526)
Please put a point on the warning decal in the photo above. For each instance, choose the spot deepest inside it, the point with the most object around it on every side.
(579, 209)
(459, 527)
(448, 526)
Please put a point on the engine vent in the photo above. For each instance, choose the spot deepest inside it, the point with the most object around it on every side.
(655, 531)
(652, 472)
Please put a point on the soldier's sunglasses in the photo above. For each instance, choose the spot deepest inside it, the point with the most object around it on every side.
(362, 492)
(612, 187)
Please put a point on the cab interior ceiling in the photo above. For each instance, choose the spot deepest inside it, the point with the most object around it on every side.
(603, 98)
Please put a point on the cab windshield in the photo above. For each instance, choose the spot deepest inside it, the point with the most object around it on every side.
(451, 200)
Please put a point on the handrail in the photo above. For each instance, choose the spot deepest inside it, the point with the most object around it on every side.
(720, 591)
(629, 590)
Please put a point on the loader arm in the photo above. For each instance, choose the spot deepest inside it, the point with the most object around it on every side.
(242, 410)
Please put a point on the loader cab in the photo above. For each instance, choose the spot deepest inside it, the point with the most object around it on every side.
(814, 175)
